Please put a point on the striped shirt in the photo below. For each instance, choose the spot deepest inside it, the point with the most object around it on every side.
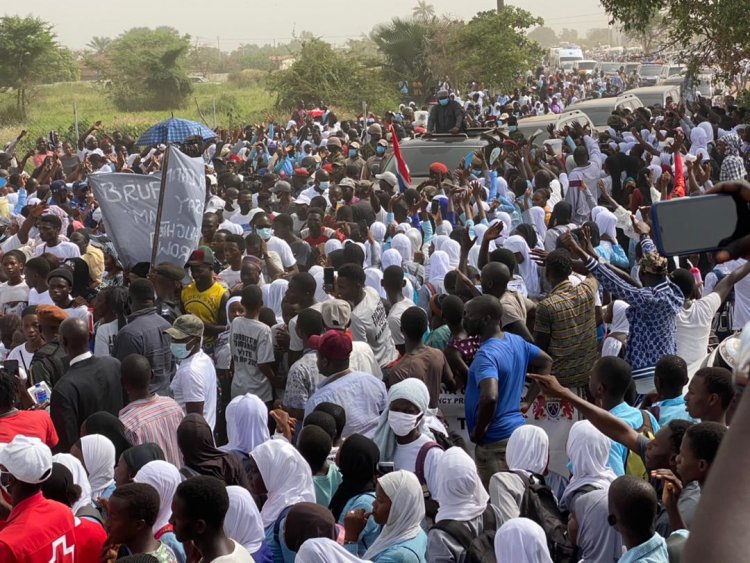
(154, 420)
(568, 315)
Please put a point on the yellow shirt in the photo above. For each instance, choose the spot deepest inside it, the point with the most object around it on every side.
(203, 304)
(94, 258)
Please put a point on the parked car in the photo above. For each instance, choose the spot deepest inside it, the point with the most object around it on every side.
(599, 109)
(609, 68)
(586, 66)
(674, 73)
(657, 95)
(649, 73)
(528, 125)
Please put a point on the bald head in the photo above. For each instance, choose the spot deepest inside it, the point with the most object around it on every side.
(74, 335)
(632, 502)
(136, 374)
(495, 277)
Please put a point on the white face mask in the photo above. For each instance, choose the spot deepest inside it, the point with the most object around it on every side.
(402, 423)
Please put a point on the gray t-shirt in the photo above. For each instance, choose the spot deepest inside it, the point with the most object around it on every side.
(251, 344)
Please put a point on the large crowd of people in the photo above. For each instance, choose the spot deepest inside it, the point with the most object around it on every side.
(278, 397)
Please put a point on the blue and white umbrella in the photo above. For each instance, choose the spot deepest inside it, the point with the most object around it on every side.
(174, 131)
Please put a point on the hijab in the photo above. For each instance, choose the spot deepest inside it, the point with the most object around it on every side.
(331, 245)
(507, 224)
(242, 522)
(273, 295)
(99, 460)
(378, 230)
(306, 520)
(80, 478)
(287, 477)
(323, 550)
(231, 301)
(708, 128)
(588, 451)
(699, 142)
(402, 244)
(407, 511)
(528, 269)
(138, 456)
(439, 240)
(373, 280)
(247, 424)
(196, 442)
(528, 450)
(537, 215)
(317, 273)
(607, 223)
(459, 489)
(443, 229)
(357, 461)
(391, 257)
(619, 317)
(439, 266)
(415, 237)
(165, 478)
(521, 540)
(453, 249)
(108, 425)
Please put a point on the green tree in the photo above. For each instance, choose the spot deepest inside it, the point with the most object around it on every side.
(59, 65)
(708, 32)
(321, 73)
(147, 69)
(98, 44)
(203, 59)
(423, 11)
(545, 36)
(597, 36)
(494, 47)
(27, 49)
(568, 35)
(650, 36)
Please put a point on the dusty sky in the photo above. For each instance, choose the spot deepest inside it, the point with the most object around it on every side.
(263, 21)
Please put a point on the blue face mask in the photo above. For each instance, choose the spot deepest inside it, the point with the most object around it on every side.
(380, 150)
(443, 101)
(265, 233)
(325, 185)
(352, 153)
(179, 350)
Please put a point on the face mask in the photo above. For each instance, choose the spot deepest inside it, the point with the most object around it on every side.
(179, 350)
(380, 150)
(402, 423)
(512, 128)
(325, 185)
(443, 101)
(264, 233)
(352, 153)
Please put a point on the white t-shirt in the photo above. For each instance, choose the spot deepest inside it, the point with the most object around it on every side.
(405, 458)
(361, 395)
(370, 324)
(62, 250)
(195, 382)
(13, 298)
(36, 298)
(251, 343)
(282, 248)
(104, 338)
(394, 319)
(24, 358)
(81, 312)
(362, 359)
(741, 299)
(238, 555)
(694, 326)
(229, 277)
(295, 342)
(243, 220)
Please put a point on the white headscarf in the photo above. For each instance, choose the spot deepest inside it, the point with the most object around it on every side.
(507, 225)
(392, 257)
(439, 266)
(99, 460)
(247, 424)
(459, 490)
(415, 237)
(619, 317)
(555, 192)
(373, 279)
(403, 227)
(528, 449)
(165, 478)
(443, 229)
(521, 540)
(273, 295)
(699, 142)
(479, 231)
(402, 244)
(537, 214)
(439, 240)
(79, 478)
(708, 128)
(331, 245)
(286, 475)
(528, 269)
(607, 223)
(231, 301)
(323, 550)
(243, 523)
(453, 250)
(318, 273)
(407, 511)
(378, 230)
(588, 451)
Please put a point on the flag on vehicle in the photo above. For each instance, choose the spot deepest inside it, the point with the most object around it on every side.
(402, 170)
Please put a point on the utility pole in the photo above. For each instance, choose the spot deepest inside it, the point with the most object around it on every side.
(500, 5)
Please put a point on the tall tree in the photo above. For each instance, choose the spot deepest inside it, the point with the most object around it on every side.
(423, 11)
(98, 44)
(404, 44)
(545, 36)
(27, 51)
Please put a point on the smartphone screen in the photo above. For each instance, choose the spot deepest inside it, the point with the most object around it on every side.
(575, 184)
(435, 207)
(328, 276)
(690, 225)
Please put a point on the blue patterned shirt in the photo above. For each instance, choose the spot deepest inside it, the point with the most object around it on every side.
(652, 551)
(651, 315)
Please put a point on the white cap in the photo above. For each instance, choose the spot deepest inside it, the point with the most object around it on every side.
(389, 177)
(302, 199)
(27, 459)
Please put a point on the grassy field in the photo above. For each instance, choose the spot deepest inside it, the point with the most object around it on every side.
(51, 109)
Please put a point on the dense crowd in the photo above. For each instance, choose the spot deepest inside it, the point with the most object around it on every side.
(279, 397)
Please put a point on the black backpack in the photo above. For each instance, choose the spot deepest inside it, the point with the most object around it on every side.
(478, 549)
(539, 504)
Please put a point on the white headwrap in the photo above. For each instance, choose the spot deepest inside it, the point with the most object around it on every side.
(699, 142)
(243, 523)
(273, 295)
(331, 245)
(479, 231)
(507, 225)
(439, 240)
(230, 302)
(247, 424)
(708, 128)
(287, 477)
(555, 195)
(317, 273)
(521, 540)
(443, 229)
(323, 550)
(619, 317)
(453, 250)
(79, 478)
(459, 489)
(373, 279)
(402, 244)
(537, 215)
(378, 230)
(392, 257)
(588, 451)
(439, 266)
(528, 268)
(528, 449)
(403, 227)
(407, 511)
(99, 460)
(165, 478)
(607, 223)
(415, 237)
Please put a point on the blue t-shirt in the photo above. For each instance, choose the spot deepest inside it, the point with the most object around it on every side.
(618, 454)
(505, 359)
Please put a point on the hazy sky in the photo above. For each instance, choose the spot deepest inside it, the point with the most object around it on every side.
(263, 21)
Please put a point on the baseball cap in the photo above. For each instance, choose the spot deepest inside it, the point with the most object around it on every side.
(28, 459)
(203, 255)
(438, 168)
(186, 326)
(354, 145)
(336, 314)
(282, 187)
(383, 143)
(348, 182)
(169, 271)
(334, 142)
(332, 345)
(302, 199)
(375, 129)
(389, 177)
(301, 172)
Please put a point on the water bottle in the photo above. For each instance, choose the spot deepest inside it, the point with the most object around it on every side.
(696, 273)
(40, 392)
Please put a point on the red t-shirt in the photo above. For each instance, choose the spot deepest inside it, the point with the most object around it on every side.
(35, 424)
(90, 538)
(38, 531)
